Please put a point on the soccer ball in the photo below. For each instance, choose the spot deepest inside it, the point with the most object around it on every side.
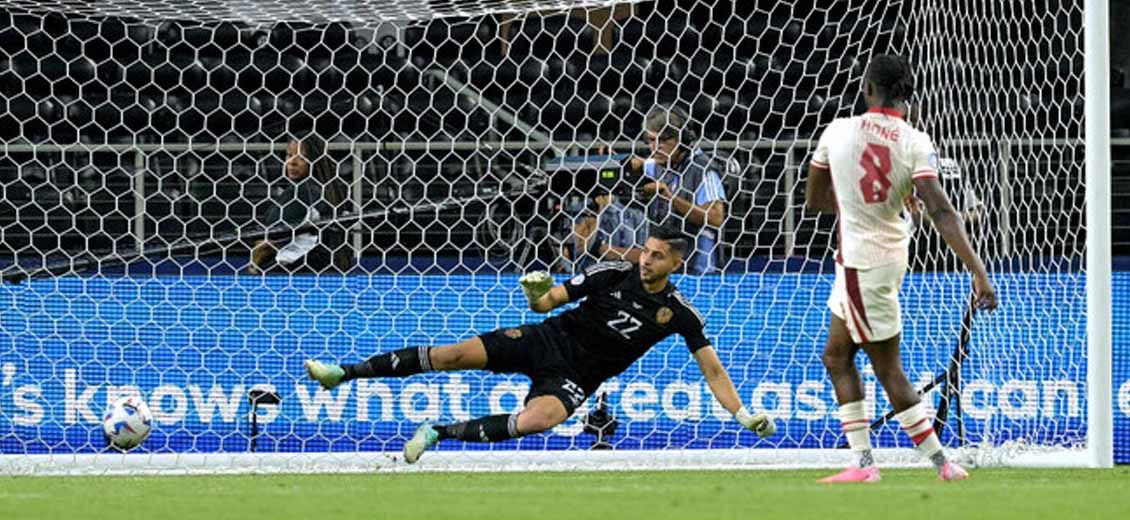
(126, 423)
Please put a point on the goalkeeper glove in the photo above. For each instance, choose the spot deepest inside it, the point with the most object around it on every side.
(535, 285)
(761, 424)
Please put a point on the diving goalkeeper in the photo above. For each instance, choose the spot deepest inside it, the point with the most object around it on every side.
(626, 309)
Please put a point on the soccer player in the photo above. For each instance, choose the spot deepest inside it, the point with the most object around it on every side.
(626, 309)
(863, 169)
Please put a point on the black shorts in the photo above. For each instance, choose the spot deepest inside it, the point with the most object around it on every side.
(544, 353)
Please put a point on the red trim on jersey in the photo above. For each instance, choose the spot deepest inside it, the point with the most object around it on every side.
(885, 111)
(819, 165)
(851, 277)
(924, 174)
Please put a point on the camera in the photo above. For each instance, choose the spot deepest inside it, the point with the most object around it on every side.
(594, 175)
(622, 181)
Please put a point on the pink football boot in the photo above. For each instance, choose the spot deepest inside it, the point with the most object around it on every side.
(854, 474)
(952, 472)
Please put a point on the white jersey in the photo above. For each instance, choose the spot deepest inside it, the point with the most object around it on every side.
(874, 159)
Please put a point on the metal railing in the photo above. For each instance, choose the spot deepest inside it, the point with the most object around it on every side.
(793, 152)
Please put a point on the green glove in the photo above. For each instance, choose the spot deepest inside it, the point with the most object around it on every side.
(535, 285)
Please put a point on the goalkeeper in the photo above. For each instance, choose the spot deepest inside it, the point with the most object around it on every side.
(626, 309)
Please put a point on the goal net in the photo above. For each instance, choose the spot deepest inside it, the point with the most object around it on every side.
(144, 161)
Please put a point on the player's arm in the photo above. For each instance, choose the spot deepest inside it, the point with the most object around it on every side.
(543, 296)
(709, 205)
(948, 223)
(693, 332)
(540, 292)
(710, 213)
(718, 379)
(723, 389)
(553, 299)
(819, 194)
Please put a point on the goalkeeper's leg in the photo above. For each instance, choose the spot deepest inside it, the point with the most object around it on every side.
(540, 414)
(465, 355)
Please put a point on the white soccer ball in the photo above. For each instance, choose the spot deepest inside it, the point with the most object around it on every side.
(126, 423)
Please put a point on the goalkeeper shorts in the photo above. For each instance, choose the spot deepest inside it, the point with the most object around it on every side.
(537, 352)
(867, 300)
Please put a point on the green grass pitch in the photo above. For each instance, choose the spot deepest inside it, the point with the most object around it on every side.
(992, 493)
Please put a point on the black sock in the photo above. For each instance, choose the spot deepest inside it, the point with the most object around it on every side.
(938, 459)
(399, 363)
(866, 459)
(492, 428)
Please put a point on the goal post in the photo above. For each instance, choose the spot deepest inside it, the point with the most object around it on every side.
(1100, 413)
(143, 153)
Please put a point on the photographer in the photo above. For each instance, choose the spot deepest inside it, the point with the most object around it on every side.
(685, 189)
(608, 221)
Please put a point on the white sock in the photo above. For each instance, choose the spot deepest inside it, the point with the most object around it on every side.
(857, 428)
(917, 424)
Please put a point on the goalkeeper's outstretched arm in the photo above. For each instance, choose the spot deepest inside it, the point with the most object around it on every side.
(540, 292)
(723, 389)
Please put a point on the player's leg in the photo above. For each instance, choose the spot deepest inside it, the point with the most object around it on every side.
(839, 360)
(552, 398)
(541, 413)
(465, 355)
(910, 412)
(875, 301)
(886, 360)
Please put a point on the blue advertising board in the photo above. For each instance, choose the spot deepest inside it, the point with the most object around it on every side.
(193, 346)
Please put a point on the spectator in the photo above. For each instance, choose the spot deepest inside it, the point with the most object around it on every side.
(313, 193)
(610, 221)
(686, 191)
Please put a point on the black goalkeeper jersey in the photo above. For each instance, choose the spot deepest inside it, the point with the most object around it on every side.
(619, 321)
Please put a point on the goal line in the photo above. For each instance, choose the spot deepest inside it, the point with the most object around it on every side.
(509, 461)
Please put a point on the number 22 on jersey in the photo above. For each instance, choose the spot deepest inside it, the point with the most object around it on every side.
(876, 164)
(625, 325)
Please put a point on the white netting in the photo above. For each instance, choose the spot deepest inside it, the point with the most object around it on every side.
(1004, 100)
(163, 126)
(314, 11)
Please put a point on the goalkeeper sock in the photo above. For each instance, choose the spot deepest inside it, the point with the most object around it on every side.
(492, 428)
(916, 423)
(399, 363)
(856, 426)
